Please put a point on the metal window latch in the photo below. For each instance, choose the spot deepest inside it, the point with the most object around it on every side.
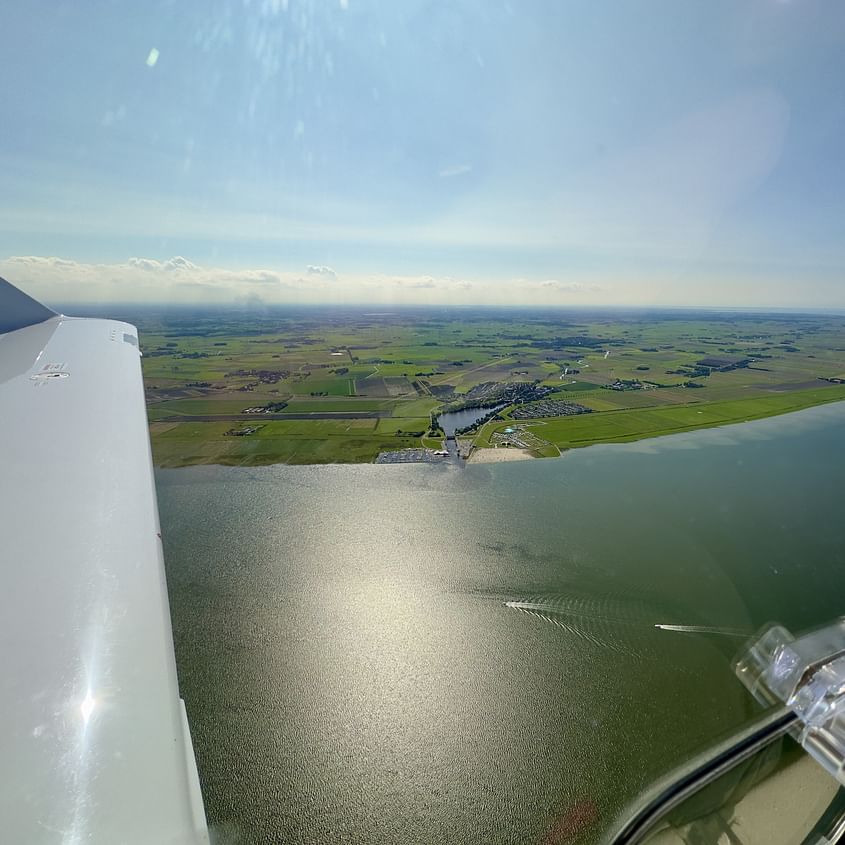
(807, 674)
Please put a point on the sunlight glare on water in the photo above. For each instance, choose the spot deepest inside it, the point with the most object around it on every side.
(366, 655)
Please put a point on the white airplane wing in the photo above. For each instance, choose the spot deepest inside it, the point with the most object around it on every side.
(94, 741)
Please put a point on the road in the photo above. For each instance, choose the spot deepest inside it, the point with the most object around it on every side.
(319, 415)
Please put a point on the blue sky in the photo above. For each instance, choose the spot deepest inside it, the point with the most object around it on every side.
(648, 153)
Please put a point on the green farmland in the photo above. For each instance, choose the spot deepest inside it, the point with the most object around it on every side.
(623, 426)
(339, 387)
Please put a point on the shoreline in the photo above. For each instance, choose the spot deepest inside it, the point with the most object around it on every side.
(490, 455)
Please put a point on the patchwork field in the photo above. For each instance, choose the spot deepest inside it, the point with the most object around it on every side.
(325, 386)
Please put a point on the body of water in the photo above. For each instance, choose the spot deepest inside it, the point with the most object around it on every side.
(456, 420)
(431, 654)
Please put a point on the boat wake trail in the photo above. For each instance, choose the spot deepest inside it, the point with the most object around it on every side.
(609, 622)
(701, 629)
(615, 622)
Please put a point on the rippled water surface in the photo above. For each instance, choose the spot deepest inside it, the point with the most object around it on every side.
(426, 653)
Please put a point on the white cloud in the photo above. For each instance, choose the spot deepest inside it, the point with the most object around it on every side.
(454, 170)
(141, 280)
(422, 283)
(178, 263)
(320, 270)
(145, 263)
(28, 261)
(568, 287)
(60, 281)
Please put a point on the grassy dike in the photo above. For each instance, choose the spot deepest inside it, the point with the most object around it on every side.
(625, 426)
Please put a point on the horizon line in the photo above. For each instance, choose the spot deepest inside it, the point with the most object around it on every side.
(386, 308)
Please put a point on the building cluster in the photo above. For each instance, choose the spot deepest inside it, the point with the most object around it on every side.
(548, 408)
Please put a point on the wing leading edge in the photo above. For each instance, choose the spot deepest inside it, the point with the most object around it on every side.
(96, 747)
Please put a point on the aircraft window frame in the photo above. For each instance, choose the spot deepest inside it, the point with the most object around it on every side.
(702, 770)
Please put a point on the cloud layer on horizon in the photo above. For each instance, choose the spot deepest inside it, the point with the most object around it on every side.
(180, 280)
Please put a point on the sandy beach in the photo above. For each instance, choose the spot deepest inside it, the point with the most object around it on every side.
(499, 455)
